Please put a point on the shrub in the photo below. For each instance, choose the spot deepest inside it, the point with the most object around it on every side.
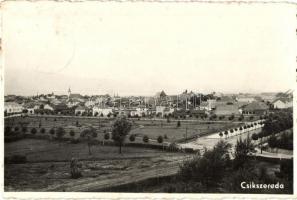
(52, 131)
(145, 139)
(132, 138)
(255, 136)
(178, 124)
(42, 130)
(106, 136)
(165, 136)
(160, 139)
(33, 131)
(16, 129)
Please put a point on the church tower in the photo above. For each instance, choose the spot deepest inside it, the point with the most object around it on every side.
(69, 92)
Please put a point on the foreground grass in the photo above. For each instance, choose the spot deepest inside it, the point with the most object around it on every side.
(48, 166)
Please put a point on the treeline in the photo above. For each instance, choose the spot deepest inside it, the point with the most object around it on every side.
(284, 141)
(216, 172)
(277, 122)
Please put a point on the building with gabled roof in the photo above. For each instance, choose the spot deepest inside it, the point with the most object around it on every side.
(255, 108)
(282, 103)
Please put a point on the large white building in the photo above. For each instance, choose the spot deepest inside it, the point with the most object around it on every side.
(98, 111)
(282, 103)
(12, 108)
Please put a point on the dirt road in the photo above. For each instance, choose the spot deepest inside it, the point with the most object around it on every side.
(167, 168)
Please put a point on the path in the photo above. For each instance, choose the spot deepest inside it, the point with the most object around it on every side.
(126, 177)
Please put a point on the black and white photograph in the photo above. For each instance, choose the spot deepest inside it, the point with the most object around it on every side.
(139, 97)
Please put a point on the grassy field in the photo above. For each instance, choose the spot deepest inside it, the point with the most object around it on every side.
(48, 166)
(151, 128)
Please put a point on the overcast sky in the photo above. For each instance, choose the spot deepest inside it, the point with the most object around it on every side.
(142, 48)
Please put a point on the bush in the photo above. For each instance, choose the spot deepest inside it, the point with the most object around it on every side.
(132, 138)
(106, 136)
(145, 139)
(178, 124)
(16, 129)
(52, 131)
(165, 136)
(189, 150)
(42, 130)
(33, 131)
(160, 139)
(255, 136)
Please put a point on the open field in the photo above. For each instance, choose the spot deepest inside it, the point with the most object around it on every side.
(151, 128)
(48, 165)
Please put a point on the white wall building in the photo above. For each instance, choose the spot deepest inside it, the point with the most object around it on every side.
(12, 108)
(97, 111)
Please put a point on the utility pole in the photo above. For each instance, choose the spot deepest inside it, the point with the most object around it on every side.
(186, 132)
(261, 144)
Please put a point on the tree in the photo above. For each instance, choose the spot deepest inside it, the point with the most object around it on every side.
(272, 141)
(132, 138)
(89, 133)
(242, 149)
(231, 131)
(210, 168)
(120, 129)
(178, 124)
(160, 139)
(33, 131)
(255, 136)
(221, 134)
(226, 133)
(60, 132)
(106, 137)
(145, 139)
(16, 129)
(52, 131)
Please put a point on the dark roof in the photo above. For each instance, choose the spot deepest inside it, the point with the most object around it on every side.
(75, 96)
(284, 100)
(256, 106)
